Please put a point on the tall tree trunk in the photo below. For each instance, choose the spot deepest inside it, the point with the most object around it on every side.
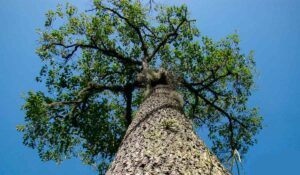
(161, 140)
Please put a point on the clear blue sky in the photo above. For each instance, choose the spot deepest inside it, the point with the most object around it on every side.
(270, 27)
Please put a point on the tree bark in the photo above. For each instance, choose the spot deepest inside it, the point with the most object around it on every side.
(161, 140)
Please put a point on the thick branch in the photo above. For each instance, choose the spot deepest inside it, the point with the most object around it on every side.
(194, 107)
(128, 97)
(99, 88)
(107, 52)
(86, 92)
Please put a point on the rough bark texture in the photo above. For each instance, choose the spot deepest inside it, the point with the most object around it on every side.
(161, 140)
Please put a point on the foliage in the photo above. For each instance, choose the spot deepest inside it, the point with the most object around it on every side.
(91, 61)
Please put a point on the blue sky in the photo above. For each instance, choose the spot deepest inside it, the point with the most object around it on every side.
(269, 27)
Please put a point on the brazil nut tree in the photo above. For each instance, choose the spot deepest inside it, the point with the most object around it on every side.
(128, 85)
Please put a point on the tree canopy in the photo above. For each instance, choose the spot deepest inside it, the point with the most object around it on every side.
(91, 60)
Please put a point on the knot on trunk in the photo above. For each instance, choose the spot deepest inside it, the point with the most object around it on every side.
(160, 81)
(151, 78)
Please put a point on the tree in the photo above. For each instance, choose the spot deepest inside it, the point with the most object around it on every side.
(100, 65)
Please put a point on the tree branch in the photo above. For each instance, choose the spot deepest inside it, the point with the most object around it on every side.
(204, 86)
(144, 46)
(107, 52)
(154, 35)
(196, 92)
(165, 39)
(62, 103)
(228, 116)
(128, 97)
(85, 92)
